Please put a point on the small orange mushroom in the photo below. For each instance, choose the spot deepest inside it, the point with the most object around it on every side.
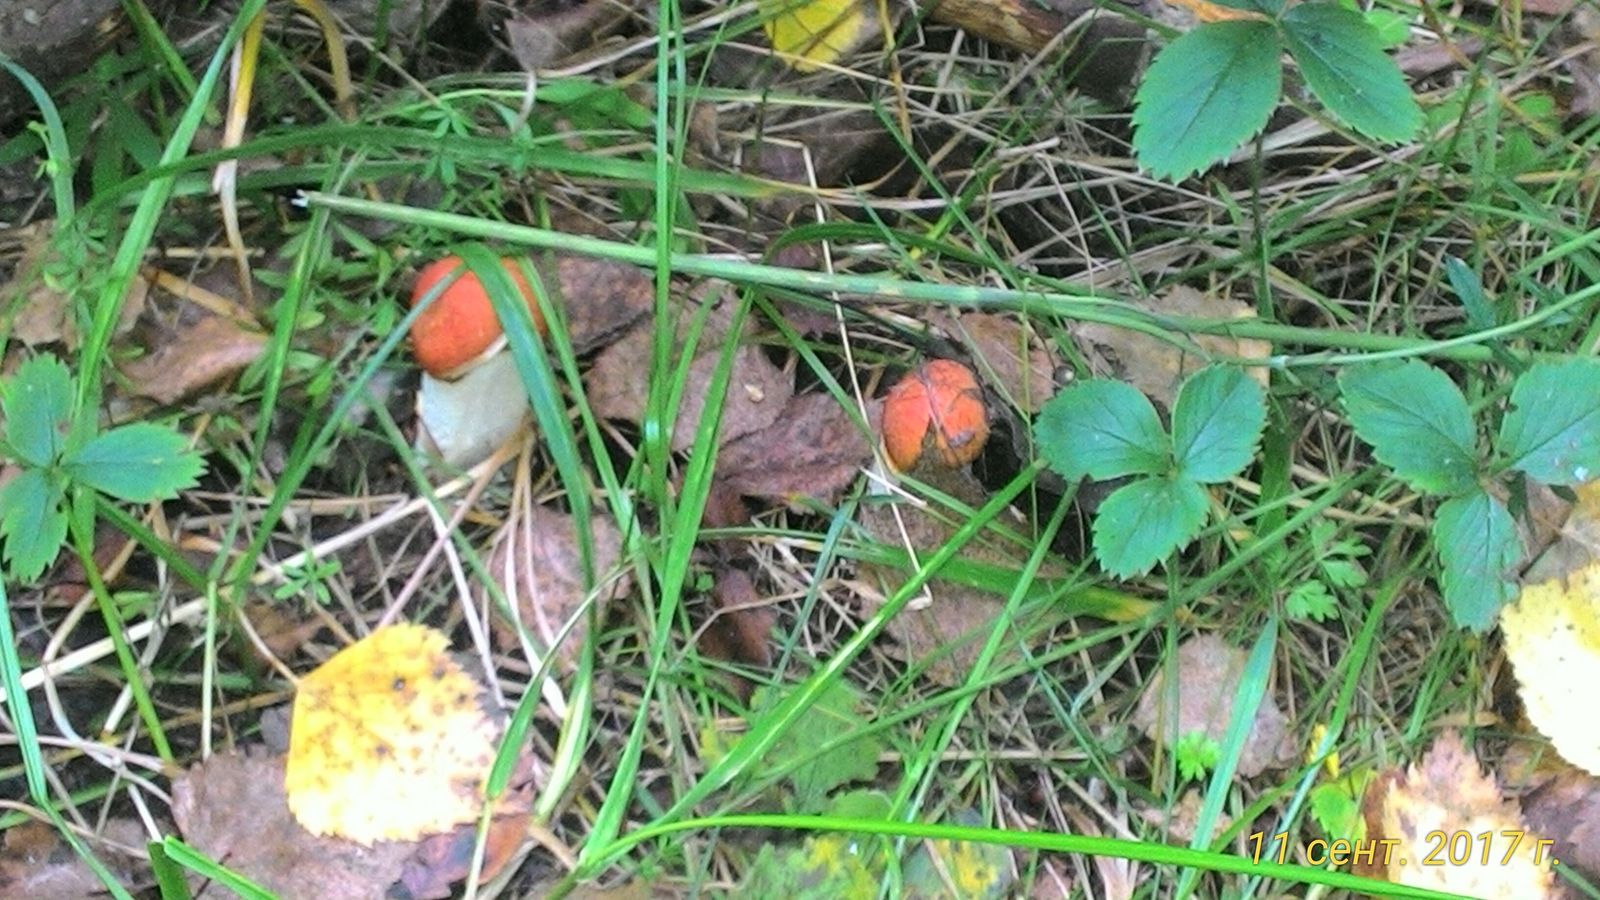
(460, 327)
(937, 407)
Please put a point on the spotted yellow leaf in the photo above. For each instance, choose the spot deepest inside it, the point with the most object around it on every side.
(1552, 637)
(388, 740)
(810, 34)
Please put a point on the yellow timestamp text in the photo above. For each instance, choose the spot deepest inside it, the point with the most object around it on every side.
(1442, 848)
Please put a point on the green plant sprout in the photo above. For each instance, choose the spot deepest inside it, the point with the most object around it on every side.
(60, 450)
(1337, 569)
(1196, 755)
(1216, 86)
(1107, 429)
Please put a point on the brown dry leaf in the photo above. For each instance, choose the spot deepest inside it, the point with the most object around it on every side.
(601, 299)
(814, 449)
(618, 386)
(949, 633)
(1017, 361)
(281, 627)
(1156, 367)
(1567, 809)
(444, 859)
(35, 862)
(1576, 542)
(1182, 820)
(740, 629)
(389, 740)
(232, 808)
(1208, 670)
(536, 562)
(206, 351)
(1447, 793)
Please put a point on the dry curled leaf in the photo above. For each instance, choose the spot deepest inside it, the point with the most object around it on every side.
(537, 563)
(814, 449)
(946, 634)
(200, 354)
(601, 299)
(618, 386)
(1447, 794)
(36, 863)
(1007, 351)
(1155, 366)
(1566, 808)
(740, 629)
(389, 740)
(1207, 670)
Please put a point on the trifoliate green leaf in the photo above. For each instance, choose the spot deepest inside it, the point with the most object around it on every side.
(38, 409)
(1341, 56)
(1416, 421)
(32, 522)
(1552, 431)
(1141, 523)
(1216, 422)
(1102, 429)
(820, 768)
(138, 463)
(1205, 94)
(1478, 546)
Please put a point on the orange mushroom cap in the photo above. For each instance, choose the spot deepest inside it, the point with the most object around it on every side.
(938, 406)
(460, 326)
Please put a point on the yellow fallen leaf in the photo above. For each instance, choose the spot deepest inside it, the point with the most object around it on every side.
(1552, 637)
(1435, 806)
(809, 34)
(388, 740)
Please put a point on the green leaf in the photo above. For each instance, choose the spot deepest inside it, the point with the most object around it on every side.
(819, 770)
(824, 867)
(138, 463)
(1336, 805)
(1196, 754)
(1478, 548)
(1341, 56)
(32, 522)
(964, 870)
(1417, 422)
(1552, 432)
(1469, 290)
(1216, 423)
(1311, 601)
(1141, 523)
(1103, 429)
(1205, 94)
(38, 409)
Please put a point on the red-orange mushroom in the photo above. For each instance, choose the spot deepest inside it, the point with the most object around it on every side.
(460, 326)
(937, 407)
